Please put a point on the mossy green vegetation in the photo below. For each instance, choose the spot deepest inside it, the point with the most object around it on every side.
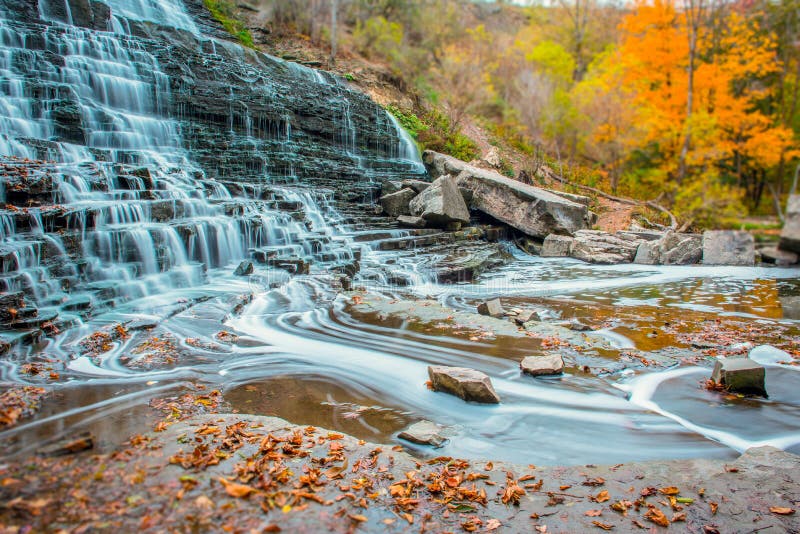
(434, 132)
(225, 13)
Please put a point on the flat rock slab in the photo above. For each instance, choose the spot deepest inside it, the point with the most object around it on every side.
(424, 433)
(411, 221)
(740, 375)
(534, 211)
(468, 384)
(742, 490)
(728, 247)
(551, 364)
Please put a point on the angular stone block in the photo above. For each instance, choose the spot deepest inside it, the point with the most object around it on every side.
(740, 375)
(551, 364)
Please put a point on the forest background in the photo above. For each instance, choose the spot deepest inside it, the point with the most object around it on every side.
(690, 104)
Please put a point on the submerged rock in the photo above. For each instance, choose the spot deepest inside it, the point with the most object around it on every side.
(790, 235)
(441, 203)
(423, 433)
(534, 211)
(728, 247)
(468, 384)
(492, 308)
(396, 204)
(740, 375)
(551, 364)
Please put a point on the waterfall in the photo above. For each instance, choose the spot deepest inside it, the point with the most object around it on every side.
(107, 201)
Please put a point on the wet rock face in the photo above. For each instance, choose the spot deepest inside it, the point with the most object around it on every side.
(242, 114)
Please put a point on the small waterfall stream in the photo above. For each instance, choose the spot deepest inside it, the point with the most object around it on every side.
(138, 172)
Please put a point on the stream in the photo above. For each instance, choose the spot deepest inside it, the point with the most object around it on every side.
(126, 226)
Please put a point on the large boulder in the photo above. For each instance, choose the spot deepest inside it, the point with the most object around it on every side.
(396, 204)
(534, 211)
(469, 384)
(594, 246)
(728, 247)
(557, 246)
(671, 249)
(441, 203)
(790, 235)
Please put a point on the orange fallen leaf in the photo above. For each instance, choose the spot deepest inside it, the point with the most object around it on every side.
(603, 496)
(780, 510)
(669, 490)
(657, 516)
(594, 513)
(357, 517)
(714, 507)
(236, 490)
(604, 526)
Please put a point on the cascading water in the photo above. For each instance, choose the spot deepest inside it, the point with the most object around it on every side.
(143, 161)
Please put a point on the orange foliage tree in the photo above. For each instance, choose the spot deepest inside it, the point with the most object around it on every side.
(695, 78)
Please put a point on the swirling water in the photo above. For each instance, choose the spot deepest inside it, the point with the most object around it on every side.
(161, 247)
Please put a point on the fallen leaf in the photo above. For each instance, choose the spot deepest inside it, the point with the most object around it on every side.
(493, 524)
(604, 526)
(593, 513)
(714, 507)
(670, 490)
(780, 510)
(236, 490)
(657, 516)
(357, 517)
(603, 496)
(595, 482)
